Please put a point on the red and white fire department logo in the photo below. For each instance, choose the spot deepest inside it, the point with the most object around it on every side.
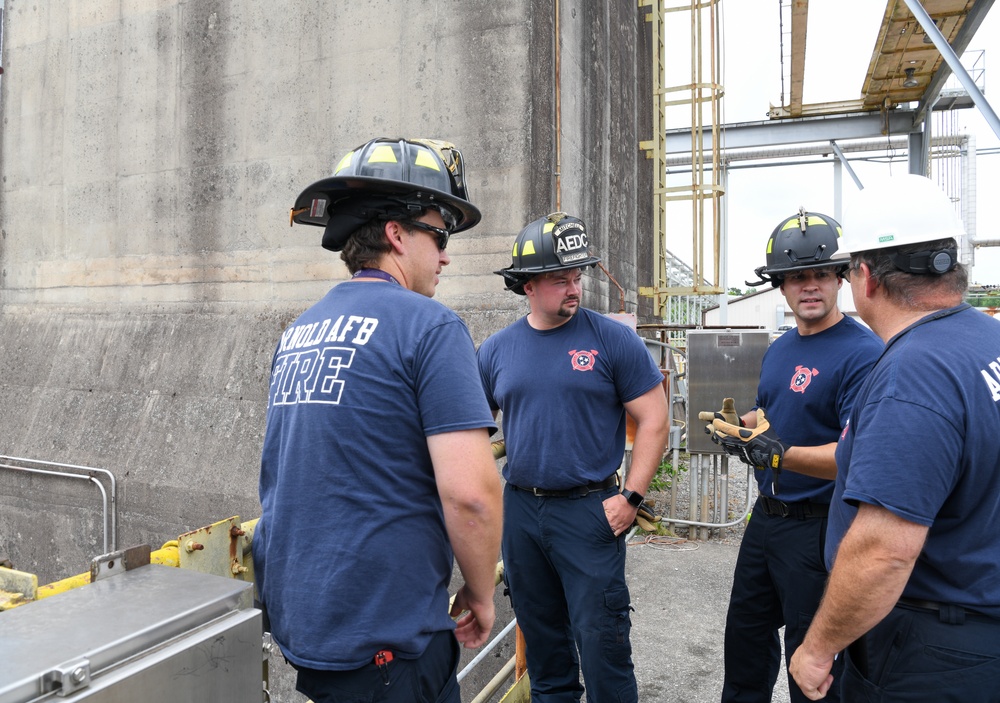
(583, 360)
(802, 377)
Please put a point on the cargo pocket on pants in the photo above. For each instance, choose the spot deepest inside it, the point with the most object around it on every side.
(618, 626)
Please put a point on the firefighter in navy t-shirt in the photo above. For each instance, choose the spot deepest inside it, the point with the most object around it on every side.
(914, 591)
(376, 467)
(809, 378)
(564, 377)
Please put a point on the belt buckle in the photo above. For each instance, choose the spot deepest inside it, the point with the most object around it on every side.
(779, 507)
(537, 492)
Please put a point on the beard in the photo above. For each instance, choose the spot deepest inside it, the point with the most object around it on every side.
(566, 311)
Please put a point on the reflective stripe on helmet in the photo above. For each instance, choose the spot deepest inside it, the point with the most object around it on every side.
(806, 240)
(425, 160)
(383, 155)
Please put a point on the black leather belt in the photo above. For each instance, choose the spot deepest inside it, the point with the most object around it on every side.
(799, 511)
(610, 482)
(946, 612)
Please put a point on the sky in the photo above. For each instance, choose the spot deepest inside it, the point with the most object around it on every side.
(840, 38)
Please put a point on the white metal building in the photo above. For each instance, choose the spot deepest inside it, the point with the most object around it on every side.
(766, 309)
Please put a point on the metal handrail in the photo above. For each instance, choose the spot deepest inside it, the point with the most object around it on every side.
(110, 521)
(723, 499)
(496, 682)
(486, 650)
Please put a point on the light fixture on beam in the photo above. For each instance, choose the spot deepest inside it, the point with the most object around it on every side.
(927, 37)
(910, 81)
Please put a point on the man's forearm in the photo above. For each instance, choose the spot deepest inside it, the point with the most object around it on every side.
(469, 488)
(647, 452)
(873, 564)
(475, 539)
(652, 429)
(818, 462)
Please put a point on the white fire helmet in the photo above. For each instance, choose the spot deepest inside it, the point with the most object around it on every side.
(896, 212)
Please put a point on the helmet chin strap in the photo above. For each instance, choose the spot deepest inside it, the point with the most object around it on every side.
(934, 262)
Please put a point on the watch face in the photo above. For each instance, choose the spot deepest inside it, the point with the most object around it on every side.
(634, 499)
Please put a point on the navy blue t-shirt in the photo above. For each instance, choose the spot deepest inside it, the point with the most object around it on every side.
(351, 552)
(562, 393)
(807, 387)
(924, 443)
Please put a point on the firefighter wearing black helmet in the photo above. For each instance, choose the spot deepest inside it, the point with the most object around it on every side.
(564, 377)
(808, 381)
(806, 240)
(394, 179)
(375, 395)
(556, 242)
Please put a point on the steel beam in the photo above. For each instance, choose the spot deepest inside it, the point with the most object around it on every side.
(800, 16)
(974, 18)
(955, 63)
(814, 129)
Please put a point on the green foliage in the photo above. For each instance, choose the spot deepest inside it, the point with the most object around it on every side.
(665, 474)
(984, 301)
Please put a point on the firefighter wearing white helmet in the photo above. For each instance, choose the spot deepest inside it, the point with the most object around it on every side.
(913, 595)
(378, 357)
(809, 378)
(564, 377)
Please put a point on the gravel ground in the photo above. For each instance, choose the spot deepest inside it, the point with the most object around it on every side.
(681, 501)
(694, 635)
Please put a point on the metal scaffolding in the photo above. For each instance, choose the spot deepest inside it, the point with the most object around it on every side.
(680, 290)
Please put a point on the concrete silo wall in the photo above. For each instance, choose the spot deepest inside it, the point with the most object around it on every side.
(149, 154)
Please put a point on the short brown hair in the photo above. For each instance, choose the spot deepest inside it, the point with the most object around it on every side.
(366, 245)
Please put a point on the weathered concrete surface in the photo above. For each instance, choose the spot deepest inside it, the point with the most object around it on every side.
(172, 405)
(149, 152)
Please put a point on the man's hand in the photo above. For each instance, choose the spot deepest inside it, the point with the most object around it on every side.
(727, 413)
(474, 627)
(619, 512)
(760, 447)
(812, 674)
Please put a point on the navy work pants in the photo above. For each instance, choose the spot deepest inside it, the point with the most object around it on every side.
(914, 656)
(565, 569)
(430, 678)
(779, 580)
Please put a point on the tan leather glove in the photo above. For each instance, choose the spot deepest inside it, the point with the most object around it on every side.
(727, 413)
(646, 519)
(499, 448)
(760, 447)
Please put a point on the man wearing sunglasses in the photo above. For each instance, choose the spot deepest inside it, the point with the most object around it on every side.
(377, 470)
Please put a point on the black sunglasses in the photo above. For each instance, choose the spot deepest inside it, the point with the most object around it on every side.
(441, 235)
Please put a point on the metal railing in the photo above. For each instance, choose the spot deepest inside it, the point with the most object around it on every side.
(109, 494)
